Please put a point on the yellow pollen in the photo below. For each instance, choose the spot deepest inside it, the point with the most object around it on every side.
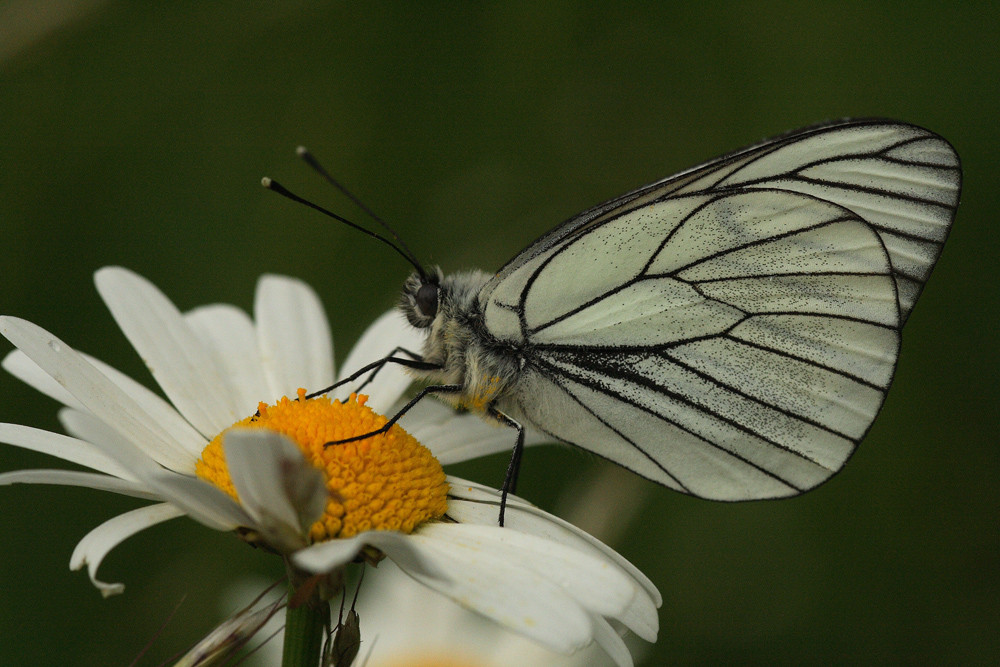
(485, 395)
(385, 482)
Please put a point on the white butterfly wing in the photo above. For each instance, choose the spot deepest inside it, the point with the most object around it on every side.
(731, 332)
(903, 180)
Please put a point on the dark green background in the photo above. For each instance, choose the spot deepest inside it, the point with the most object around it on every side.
(136, 134)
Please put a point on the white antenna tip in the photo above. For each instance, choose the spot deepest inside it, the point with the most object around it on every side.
(301, 150)
(266, 182)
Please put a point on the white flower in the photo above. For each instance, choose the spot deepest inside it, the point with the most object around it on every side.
(404, 625)
(538, 576)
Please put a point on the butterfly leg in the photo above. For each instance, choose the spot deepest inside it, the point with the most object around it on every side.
(414, 357)
(514, 467)
(416, 362)
(434, 389)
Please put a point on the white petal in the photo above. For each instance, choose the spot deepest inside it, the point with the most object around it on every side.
(88, 480)
(97, 543)
(185, 368)
(103, 438)
(453, 436)
(18, 364)
(471, 496)
(596, 583)
(162, 415)
(488, 577)
(411, 620)
(200, 500)
(539, 522)
(94, 391)
(69, 449)
(293, 335)
(611, 642)
(384, 336)
(230, 332)
(113, 444)
(276, 486)
(482, 508)
(327, 556)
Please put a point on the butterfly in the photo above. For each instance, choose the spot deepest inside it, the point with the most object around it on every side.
(729, 332)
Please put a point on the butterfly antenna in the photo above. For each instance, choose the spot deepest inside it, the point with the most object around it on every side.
(311, 160)
(275, 186)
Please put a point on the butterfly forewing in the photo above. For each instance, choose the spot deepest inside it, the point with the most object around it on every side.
(902, 180)
(731, 332)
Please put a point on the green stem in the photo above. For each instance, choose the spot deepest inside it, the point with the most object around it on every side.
(306, 625)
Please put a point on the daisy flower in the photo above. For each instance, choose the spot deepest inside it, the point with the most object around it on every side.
(406, 625)
(233, 452)
(403, 624)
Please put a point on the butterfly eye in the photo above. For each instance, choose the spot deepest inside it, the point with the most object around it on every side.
(427, 300)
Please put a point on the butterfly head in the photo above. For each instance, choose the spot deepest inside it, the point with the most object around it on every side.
(421, 296)
(446, 307)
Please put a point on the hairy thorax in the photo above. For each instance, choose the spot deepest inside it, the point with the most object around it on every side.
(457, 342)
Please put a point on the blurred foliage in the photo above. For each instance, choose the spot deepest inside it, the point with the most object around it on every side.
(137, 133)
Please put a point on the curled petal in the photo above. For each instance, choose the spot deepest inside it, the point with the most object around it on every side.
(96, 544)
(278, 489)
(327, 556)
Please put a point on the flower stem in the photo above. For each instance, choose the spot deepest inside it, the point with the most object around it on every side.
(307, 620)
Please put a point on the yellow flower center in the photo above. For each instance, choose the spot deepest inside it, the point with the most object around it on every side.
(385, 482)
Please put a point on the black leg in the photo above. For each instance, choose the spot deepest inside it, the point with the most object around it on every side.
(398, 350)
(435, 389)
(417, 363)
(514, 467)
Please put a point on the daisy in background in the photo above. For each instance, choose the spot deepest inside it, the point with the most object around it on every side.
(232, 452)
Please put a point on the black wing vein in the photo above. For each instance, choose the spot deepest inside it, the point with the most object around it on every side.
(554, 373)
